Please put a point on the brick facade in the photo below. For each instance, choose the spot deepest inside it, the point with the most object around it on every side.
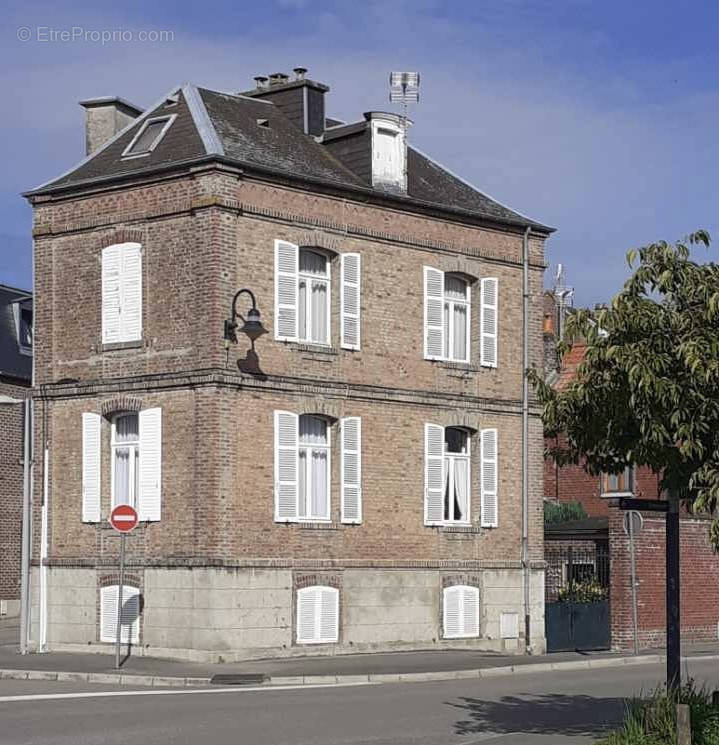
(204, 235)
(699, 582)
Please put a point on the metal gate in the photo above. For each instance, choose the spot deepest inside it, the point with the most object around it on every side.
(576, 610)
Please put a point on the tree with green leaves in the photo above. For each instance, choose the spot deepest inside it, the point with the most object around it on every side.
(647, 390)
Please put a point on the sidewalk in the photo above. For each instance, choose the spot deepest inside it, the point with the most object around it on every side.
(376, 667)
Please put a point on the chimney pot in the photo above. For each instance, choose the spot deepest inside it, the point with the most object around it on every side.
(261, 81)
(278, 78)
(299, 72)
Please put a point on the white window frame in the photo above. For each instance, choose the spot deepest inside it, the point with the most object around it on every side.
(312, 278)
(450, 304)
(448, 463)
(127, 152)
(308, 472)
(134, 462)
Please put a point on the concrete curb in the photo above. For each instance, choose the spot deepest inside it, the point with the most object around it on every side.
(165, 681)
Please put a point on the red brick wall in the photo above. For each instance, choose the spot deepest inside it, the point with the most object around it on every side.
(699, 582)
(11, 452)
(574, 484)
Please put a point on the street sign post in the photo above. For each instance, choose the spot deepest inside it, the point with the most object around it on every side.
(123, 519)
(633, 522)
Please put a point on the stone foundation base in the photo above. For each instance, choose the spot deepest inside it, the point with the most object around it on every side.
(227, 615)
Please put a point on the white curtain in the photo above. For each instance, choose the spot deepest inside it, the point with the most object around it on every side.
(126, 452)
(461, 488)
(319, 312)
(302, 310)
(122, 475)
(126, 428)
(313, 430)
(319, 483)
(302, 483)
(460, 331)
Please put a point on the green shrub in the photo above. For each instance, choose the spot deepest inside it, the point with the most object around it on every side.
(561, 512)
(653, 721)
(587, 591)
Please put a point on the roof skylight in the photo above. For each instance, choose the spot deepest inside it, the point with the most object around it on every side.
(148, 136)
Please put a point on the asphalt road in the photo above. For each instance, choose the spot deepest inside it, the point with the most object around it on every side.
(527, 709)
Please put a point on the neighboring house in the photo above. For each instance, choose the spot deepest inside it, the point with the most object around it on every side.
(15, 384)
(597, 548)
(355, 484)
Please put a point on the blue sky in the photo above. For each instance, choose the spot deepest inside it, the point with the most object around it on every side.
(597, 118)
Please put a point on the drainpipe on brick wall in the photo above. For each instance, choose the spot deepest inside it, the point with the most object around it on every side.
(525, 439)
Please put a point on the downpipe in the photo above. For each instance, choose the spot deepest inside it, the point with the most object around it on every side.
(525, 441)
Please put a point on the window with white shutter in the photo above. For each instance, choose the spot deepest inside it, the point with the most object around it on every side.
(489, 320)
(350, 281)
(124, 458)
(317, 615)
(286, 467)
(489, 510)
(149, 481)
(351, 436)
(121, 293)
(91, 456)
(447, 316)
(460, 605)
(286, 290)
(434, 476)
(130, 616)
(313, 297)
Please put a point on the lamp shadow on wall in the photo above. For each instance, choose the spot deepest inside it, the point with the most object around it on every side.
(250, 365)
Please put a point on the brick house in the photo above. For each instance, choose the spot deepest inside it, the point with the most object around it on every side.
(15, 384)
(354, 483)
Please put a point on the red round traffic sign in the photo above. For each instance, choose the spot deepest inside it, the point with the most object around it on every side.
(123, 518)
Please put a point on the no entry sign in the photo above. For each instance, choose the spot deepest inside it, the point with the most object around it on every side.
(123, 518)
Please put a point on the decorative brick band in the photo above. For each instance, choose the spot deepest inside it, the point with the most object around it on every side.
(118, 404)
(300, 580)
(131, 580)
(122, 235)
(449, 580)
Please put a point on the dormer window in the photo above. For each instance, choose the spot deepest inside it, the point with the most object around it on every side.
(389, 151)
(148, 136)
(23, 326)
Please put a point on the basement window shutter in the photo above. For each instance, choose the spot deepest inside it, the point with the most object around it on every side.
(130, 623)
(433, 312)
(317, 615)
(350, 301)
(488, 487)
(460, 612)
(91, 433)
(351, 435)
(489, 302)
(150, 476)
(131, 292)
(111, 279)
(286, 277)
(433, 474)
(286, 486)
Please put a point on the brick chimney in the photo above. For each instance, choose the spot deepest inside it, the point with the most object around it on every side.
(302, 100)
(104, 118)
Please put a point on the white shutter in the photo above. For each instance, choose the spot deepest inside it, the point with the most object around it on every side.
(317, 615)
(461, 612)
(111, 273)
(433, 313)
(489, 302)
(286, 486)
(328, 615)
(150, 479)
(91, 457)
(489, 506)
(130, 617)
(452, 605)
(286, 271)
(433, 474)
(350, 283)
(351, 434)
(131, 292)
(470, 611)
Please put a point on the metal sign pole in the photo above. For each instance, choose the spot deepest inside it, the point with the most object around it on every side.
(118, 639)
(634, 583)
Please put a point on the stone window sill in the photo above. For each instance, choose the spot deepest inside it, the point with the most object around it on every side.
(311, 525)
(319, 349)
(465, 367)
(116, 346)
(463, 529)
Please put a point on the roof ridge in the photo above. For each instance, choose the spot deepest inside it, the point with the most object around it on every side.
(3, 286)
(203, 123)
(236, 95)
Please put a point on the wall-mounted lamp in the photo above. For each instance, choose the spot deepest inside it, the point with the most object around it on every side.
(252, 327)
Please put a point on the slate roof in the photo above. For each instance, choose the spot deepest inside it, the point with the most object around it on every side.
(13, 363)
(255, 133)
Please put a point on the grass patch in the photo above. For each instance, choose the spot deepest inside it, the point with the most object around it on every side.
(653, 721)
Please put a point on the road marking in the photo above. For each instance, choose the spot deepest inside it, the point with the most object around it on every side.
(176, 691)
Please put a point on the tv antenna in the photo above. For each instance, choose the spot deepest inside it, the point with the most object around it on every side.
(404, 89)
